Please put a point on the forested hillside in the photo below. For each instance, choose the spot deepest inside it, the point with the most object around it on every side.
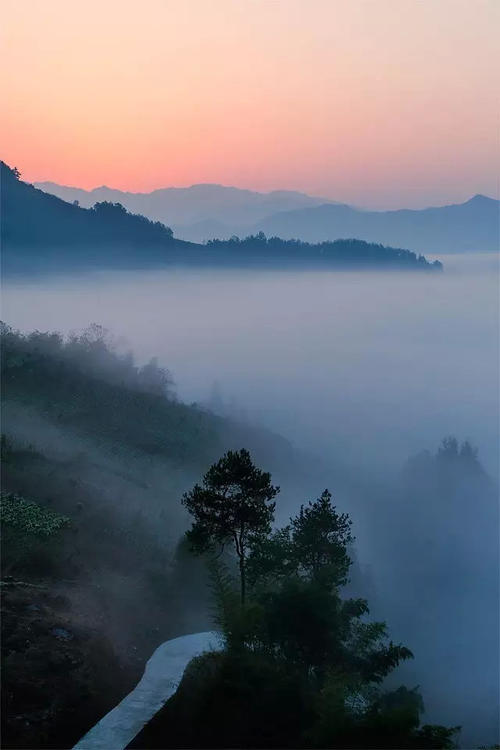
(41, 233)
(96, 453)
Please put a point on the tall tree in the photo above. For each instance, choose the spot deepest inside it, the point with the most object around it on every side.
(234, 504)
(313, 546)
(302, 666)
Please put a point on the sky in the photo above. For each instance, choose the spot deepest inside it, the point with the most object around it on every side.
(379, 103)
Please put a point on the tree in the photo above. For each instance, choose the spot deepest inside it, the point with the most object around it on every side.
(109, 210)
(313, 546)
(233, 504)
(301, 666)
(297, 573)
(154, 379)
(320, 537)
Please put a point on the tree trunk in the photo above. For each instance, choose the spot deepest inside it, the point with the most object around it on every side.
(242, 579)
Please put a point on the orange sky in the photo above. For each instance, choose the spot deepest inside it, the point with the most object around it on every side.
(383, 103)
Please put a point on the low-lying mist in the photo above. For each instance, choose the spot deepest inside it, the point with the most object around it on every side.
(371, 366)
(359, 371)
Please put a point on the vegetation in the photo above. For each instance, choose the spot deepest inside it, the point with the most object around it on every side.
(234, 504)
(91, 353)
(32, 219)
(82, 383)
(42, 232)
(29, 533)
(301, 666)
(58, 674)
(29, 517)
(94, 437)
(349, 253)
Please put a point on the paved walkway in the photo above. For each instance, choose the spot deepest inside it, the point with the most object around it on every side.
(161, 677)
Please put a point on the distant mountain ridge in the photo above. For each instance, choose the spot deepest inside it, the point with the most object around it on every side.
(41, 232)
(472, 226)
(183, 207)
(202, 212)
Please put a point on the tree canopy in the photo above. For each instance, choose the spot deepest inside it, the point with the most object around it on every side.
(302, 665)
(233, 504)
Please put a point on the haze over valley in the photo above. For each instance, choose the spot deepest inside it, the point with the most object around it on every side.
(346, 372)
(250, 393)
(328, 359)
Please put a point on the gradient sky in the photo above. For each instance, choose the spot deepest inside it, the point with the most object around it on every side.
(382, 103)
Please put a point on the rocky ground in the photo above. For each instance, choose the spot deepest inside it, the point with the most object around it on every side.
(59, 674)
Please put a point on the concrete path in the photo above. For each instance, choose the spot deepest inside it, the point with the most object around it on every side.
(161, 677)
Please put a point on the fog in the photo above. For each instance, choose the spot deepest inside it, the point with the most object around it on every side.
(370, 366)
(360, 370)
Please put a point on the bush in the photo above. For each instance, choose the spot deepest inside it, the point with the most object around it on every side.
(29, 535)
(29, 517)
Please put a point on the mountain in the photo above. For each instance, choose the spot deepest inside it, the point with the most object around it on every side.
(40, 229)
(189, 208)
(41, 232)
(472, 226)
(201, 212)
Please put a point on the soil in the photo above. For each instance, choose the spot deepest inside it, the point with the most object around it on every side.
(59, 674)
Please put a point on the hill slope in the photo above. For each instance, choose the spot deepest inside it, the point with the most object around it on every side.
(40, 228)
(467, 227)
(42, 232)
(88, 439)
(201, 212)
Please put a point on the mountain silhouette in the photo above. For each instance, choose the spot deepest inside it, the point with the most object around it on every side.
(182, 208)
(39, 229)
(41, 232)
(466, 227)
(201, 212)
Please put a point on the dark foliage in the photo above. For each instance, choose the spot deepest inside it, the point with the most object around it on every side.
(314, 546)
(41, 232)
(232, 505)
(302, 667)
(31, 217)
(83, 384)
(350, 253)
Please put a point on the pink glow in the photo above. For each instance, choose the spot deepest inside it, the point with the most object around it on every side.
(381, 103)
